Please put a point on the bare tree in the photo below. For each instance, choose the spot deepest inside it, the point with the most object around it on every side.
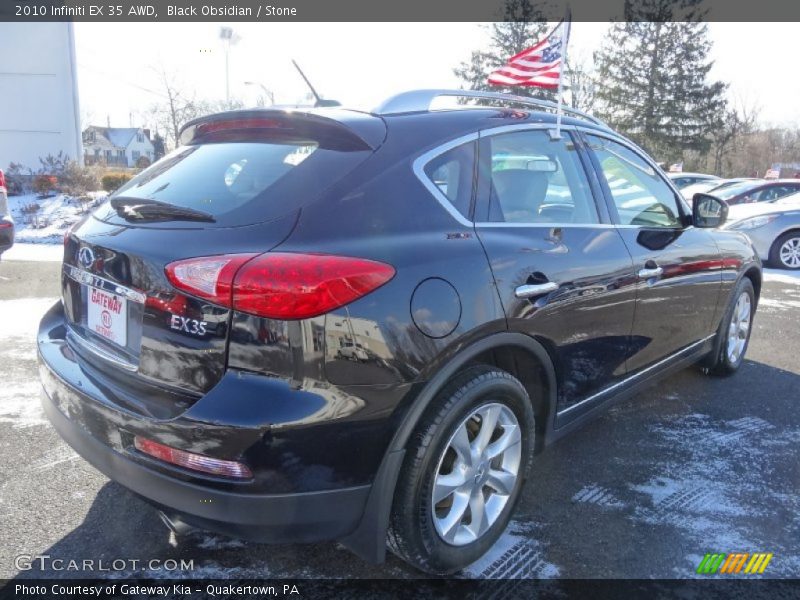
(180, 105)
(177, 108)
(738, 121)
(580, 82)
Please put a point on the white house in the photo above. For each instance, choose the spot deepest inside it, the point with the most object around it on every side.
(118, 146)
(39, 112)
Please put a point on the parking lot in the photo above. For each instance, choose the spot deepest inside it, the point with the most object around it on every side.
(690, 466)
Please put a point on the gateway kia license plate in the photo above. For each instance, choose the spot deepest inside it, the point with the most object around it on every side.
(107, 315)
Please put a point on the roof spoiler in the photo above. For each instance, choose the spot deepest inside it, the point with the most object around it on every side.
(349, 132)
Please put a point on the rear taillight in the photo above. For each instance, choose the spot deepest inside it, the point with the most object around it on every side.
(2, 179)
(190, 460)
(209, 277)
(5, 224)
(280, 285)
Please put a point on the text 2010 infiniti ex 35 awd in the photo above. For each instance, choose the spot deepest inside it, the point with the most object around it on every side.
(339, 325)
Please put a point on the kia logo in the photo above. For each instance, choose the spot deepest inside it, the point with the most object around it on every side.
(86, 257)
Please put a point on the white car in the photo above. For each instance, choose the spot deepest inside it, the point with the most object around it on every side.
(682, 180)
(773, 227)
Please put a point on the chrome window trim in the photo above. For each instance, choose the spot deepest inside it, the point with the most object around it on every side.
(635, 376)
(679, 199)
(492, 224)
(422, 161)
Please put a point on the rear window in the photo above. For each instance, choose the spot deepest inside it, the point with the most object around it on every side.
(237, 183)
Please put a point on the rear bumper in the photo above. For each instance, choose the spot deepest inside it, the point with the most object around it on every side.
(83, 413)
(304, 517)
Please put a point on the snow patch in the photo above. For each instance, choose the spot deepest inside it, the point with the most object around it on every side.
(35, 252)
(213, 542)
(594, 494)
(20, 405)
(781, 276)
(21, 316)
(54, 216)
(718, 496)
(778, 304)
(515, 555)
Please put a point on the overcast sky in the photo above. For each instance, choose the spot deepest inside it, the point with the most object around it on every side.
(359, 64)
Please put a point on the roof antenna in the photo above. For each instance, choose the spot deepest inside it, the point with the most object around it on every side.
(319, 101)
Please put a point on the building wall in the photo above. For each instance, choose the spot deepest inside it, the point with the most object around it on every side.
(39, 113)
(144, 148)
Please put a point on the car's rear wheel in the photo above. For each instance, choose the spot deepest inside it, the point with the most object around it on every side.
(785, 252)
(733, 335)
(463, 472)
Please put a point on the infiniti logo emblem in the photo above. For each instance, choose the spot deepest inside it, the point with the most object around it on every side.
(86, 257)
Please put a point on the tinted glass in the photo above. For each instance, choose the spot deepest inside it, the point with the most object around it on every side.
(239, 182)
(535, 179)
(452, 173)
(641, 195)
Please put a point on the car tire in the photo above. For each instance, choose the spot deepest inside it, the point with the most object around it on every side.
(418, 526)
(729, 351)
(781, 251)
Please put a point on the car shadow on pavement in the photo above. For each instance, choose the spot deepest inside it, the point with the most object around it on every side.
(679, 425)
(121, 534)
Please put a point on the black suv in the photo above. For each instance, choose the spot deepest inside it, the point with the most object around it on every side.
(330, 324)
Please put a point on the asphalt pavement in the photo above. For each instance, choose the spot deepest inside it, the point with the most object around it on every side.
(694, 464)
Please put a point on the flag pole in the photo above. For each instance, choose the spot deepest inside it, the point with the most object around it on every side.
(565, 43)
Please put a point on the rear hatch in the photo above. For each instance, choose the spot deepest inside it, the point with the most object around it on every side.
(235, 187)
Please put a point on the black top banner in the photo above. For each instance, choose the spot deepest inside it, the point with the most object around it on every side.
(397, 11)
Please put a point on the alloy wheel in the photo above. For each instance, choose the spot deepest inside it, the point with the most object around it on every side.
(789, 253)
(476, 474)
(739, 328)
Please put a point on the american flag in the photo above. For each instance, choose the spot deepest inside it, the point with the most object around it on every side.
(538, 66)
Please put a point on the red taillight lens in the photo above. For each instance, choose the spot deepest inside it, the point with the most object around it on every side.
(280, 285)
(190, 460)
(2, 179)
(209, 277)
(283, 285)
(5, 224)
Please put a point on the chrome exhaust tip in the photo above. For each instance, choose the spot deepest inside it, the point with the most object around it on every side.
(175, 525)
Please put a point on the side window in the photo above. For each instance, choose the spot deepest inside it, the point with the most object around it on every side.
(537, 180)
(765, 194)
(641, 196)
(453, 173)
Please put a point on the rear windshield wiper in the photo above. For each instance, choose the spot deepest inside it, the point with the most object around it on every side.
(141, 209)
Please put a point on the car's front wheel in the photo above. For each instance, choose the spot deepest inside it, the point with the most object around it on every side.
(463, 472)
(733, 335)
(785, 252)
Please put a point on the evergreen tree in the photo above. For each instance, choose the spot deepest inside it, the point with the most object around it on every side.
(522, 27)
(653, 79)
(159, 147)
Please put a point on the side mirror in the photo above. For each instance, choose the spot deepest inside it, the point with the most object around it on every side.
(708, 211)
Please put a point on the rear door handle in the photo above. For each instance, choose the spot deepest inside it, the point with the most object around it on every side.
(533, 290)
(650, 272)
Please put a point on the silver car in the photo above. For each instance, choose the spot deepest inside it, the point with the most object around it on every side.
(773, 227)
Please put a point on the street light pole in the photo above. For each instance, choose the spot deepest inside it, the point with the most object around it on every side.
(227, 37)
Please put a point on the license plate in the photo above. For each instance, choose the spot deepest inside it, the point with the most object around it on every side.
(107, 315)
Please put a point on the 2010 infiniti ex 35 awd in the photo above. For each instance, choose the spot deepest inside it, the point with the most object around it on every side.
(338, 325)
